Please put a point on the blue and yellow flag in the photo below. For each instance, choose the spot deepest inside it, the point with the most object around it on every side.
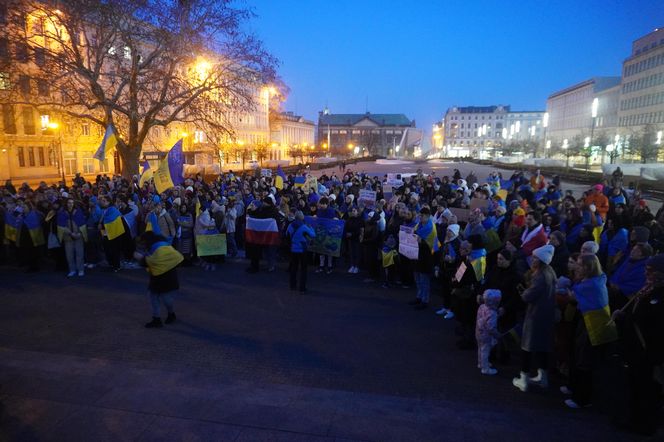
(161, 258)
(12, 227)
(280, 179)
(428, 234)
(593, 302)
(112, 220)
(146, 174)
(109, 142)
(478, 262)
(170, 171)
(152, 224)
(132, 224)
(77, 218)
(33, 222)
(300, 181)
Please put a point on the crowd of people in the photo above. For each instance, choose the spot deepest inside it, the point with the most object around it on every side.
(568, 281)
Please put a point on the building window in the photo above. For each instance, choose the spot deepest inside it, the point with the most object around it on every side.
(4, 48)
(52, 158)
(31, 156)
(103, 166)
(22, 52)
(89, 163)
(85, 129)
(4, 81)
(24, 84)
(42, 88)
(21, 158)
(40, 155)
(28, 121)
(8, 120)
(40, 56)
(70, 163)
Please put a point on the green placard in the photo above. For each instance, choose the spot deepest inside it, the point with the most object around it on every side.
(211, 245)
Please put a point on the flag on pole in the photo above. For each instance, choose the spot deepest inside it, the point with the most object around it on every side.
(146, 174)
(108, 143)
(170, 169)
(280, 179)
(300, 181)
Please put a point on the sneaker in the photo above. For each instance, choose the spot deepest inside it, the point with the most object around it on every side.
(320, 270)
(329, 270)
(443, 311)
(489, 371)
(356, 270)
(571, 404)
(70, 274)
(415, 301)
(565, 390)
(81, 273)
(171, 318)
(351, 269)
(155, 323)
(449, 315)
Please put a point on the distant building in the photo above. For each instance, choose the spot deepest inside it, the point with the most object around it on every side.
(288, 130)
(481, 131)
(642, 89)
(570, 111)
(374, 134)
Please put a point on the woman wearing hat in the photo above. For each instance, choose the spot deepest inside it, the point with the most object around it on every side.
(537, 339)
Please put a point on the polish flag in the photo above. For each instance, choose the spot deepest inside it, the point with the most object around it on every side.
(262, 232)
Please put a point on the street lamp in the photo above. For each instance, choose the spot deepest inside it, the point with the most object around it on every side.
(565, 148)
(545, 125)
(61, 163)
(593, 113)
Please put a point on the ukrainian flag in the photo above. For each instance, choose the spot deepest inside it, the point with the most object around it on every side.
(78, 218)
(280, 179)
(388, 257)
(146, 175)
(478, 262)
(152, 224)
(108, 143)
(300, 181)
(12, 226)
(33, 222)
(593, 302)
(112, 220)
(161, 258)
(169, 173)
(428, 235)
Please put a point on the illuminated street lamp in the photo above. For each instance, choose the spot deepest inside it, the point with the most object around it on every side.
(565, 147)
(593, 113)
(61, 163)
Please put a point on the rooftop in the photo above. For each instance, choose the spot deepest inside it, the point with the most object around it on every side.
(352, 119)
(598, 83)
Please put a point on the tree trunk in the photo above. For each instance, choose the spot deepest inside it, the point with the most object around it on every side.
(130, 160)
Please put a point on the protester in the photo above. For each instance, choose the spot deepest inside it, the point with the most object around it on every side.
(486, 330)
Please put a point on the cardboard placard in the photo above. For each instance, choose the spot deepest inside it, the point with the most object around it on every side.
(329, 234)
(408, 246)
(211, 245)
(367, 198)
(461, 214)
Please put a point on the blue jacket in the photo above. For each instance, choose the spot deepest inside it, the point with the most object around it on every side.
(298, 232)
(630, 277)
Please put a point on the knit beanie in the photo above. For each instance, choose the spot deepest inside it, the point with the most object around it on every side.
(492, 297)
(590, 248)
(544, 253)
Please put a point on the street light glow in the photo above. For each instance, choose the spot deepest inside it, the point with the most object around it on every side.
(545, 120)
(350, 146)
(53, 126)
(659, 138)
(586, 142)
(565, 144)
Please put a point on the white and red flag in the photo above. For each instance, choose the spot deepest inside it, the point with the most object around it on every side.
(264, 232)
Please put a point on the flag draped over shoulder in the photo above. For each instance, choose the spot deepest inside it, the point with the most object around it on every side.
(132, 223)
(12, 226)
(146, 174)
(112, 220)
(593, 302)
(428, 234)
(33, 222)
(280, 179)
(264, 232)
(169, 173)
(478, 262)
(107, 143)
(77, 217)
(152, 224)
(161, 258)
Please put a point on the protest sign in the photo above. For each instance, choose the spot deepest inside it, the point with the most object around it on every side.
(210, 245)
(478, 203)
(329, 233)
(266, 172)
(460, 271)
(408, 243)
(394, 180)
(461, 214)
(311, 183)
(367, 199)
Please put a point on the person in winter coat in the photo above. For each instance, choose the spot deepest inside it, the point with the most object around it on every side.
(162, 260)
(450, 260)
(630, 277)
(299, 233)
(486, 330)
(537, 338)
(641, 327)
(561, 254)
(72, 233)
(352, 229)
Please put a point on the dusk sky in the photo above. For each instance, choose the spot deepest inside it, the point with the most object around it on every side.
(421, 57)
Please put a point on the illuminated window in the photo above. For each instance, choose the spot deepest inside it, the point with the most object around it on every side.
(4, 81)
(44, 121)
(85, 129)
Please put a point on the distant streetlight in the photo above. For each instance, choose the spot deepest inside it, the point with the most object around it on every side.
(593, 112)
(565, 147)
(659, 138)
(545, 125)
(54, 127)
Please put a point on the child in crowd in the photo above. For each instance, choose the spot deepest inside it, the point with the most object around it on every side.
(486, 329)
(390, 256)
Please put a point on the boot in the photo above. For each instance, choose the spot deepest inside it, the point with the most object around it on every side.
(521, 382)
(155, 323)
(541, 380)
(171, 318)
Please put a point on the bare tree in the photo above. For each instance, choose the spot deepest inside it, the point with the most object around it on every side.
(138, 64)
(643, 143)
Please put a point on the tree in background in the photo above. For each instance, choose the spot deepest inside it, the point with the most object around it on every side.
(643, 143)
(135, 64)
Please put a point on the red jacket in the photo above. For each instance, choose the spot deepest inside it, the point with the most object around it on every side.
(532, 242)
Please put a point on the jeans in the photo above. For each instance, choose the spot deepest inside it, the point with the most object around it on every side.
(329, 261)
(74, 251)
(423, 283)
(157, 298)
(298, 267)
(231, 245)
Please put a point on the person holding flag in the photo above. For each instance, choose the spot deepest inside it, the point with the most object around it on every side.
(280, 179)
(146, 174)
(428, 244)
(72, 233)
(111, 228)
(169, 173)
(161, 260)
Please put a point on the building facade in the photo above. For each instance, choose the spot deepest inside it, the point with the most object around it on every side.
(573, 116)
(642, 89)
(287, 131)
(372, 134)
(482, 131)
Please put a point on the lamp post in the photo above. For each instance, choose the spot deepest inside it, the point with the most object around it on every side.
(565, 148)
(61, 162)
(593, 113)
(545, 125)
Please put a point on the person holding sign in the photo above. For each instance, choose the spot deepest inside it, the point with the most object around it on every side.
(299, 233)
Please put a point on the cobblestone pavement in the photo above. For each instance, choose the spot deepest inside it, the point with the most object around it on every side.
(250, 360)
